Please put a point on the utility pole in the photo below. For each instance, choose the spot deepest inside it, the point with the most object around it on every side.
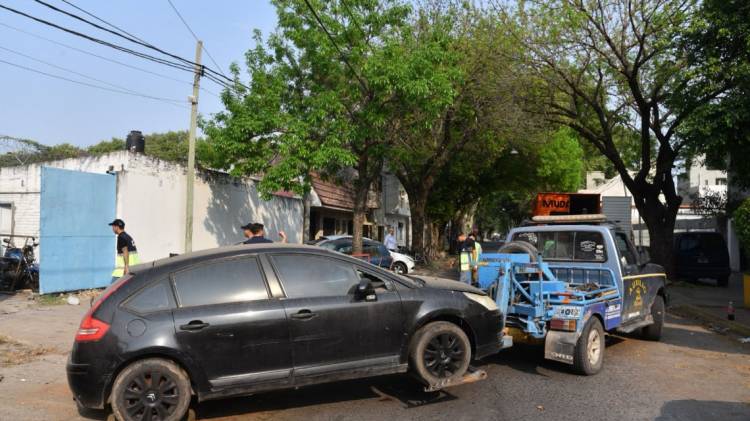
(191, 149)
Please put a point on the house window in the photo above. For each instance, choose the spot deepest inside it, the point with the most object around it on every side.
(721, 181)
(400, 232)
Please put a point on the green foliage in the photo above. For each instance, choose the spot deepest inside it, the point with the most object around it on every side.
(308, 107)
(717, 45)
(106, 146)
(741, 219)
(560, 166)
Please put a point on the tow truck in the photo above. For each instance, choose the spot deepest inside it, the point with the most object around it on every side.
(567, 280)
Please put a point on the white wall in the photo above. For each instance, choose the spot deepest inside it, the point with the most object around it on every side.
(151, 201)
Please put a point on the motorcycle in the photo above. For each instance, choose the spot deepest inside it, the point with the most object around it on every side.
(18, 269)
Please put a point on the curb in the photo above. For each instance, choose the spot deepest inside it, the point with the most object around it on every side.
(694, 311)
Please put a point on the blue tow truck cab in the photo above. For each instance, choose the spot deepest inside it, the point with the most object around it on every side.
(567, 284)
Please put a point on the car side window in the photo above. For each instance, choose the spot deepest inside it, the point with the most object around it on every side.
(224, 281)
(153, 298)
(377, 282)
(627, 256)
(304, 276)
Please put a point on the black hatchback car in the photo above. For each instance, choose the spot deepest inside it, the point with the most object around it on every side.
(243, 319)
(702, 255)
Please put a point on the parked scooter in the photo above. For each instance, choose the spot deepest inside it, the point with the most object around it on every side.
(18, 269)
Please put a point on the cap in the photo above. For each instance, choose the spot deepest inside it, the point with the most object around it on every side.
(118, 223)
(248, 226)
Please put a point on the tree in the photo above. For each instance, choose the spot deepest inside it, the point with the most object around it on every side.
(606, 65)
(560, 166)
(448, 138)
(717, 46)
(317, 99)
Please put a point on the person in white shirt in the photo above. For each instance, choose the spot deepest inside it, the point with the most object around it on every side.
(390, 241)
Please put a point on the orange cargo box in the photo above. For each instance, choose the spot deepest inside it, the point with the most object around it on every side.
(554, 203)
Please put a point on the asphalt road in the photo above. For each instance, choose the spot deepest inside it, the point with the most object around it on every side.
(693, 374)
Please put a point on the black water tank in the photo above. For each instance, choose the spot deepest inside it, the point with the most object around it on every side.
(135, 142)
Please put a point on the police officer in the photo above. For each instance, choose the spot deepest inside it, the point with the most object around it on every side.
(127, 254)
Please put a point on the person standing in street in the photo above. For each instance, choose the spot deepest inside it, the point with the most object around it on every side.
(127, 254)
(465, 258)
(259, 235)
(476, 256)
(247, 231)
(390, 240)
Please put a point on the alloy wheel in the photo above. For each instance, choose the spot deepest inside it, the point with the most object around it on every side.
(443, 355)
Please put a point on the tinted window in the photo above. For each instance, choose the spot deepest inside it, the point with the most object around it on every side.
(584, 246)
(156, 297)
(314, 276)
(226, 281)
(627, 256)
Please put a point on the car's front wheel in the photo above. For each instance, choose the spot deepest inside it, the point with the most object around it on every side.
(400, 268)
(151, 389)
(440, 353)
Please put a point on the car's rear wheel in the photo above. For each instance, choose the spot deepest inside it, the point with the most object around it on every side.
(653, 332)
(152, 389)
(588, 356)
(440, 353)
(400, 268)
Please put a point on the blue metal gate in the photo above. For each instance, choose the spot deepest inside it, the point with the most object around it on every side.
(76, 245)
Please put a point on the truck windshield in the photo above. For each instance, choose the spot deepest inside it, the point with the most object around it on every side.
(582, 246)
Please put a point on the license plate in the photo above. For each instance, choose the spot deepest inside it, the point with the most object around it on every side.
(567, 312)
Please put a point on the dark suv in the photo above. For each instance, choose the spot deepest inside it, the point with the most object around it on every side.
(244, 319)
(702, 255)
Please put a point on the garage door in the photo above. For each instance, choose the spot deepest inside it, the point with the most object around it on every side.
(76, 244)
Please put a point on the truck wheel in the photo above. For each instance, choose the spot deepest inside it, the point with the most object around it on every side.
(653, 331)
(154, 389)
(588, 356)
(440, 353)
(520, 247)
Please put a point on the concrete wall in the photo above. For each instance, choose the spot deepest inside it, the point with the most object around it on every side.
(151, 201)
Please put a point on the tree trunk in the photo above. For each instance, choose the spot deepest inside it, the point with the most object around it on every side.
(418, 226)
(360, 211)
(660, 221)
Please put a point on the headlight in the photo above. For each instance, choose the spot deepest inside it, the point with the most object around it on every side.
(484, 300)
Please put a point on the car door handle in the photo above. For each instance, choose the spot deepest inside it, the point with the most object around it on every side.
(194, 325)
(304, 315)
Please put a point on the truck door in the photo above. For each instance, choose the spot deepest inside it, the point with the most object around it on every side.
(634, 289)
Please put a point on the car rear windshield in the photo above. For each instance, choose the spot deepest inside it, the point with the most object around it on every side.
(704, 242)
(581, 246)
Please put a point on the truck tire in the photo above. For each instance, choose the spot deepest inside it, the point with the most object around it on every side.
(520, 247)
(653, 331)
(134, 391)
(588, 357)
(440, 353)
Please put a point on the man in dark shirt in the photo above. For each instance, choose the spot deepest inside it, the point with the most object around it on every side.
(127, 254)
(258, 235)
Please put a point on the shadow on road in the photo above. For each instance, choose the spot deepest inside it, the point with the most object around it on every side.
(693, 410)
(400, 389)
(684, 332)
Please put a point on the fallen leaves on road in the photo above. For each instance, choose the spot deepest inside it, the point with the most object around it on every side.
(13, 352)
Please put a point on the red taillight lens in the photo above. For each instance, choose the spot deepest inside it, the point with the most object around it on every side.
(91, 329)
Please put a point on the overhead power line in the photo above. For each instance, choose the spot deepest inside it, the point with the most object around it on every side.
(130, 66)
(91, 85)
(111, 25)
(85, 76)
(179, 15)
(130, 38)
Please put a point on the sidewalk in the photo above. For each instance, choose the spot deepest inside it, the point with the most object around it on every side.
(703, 299)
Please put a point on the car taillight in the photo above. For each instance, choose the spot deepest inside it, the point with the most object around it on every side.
(92, 329)
(558, 324)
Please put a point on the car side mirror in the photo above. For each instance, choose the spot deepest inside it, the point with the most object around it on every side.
(365, 291)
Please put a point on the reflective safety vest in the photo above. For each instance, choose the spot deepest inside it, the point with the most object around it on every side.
(477, 253)
(464, 261)
(120, 263)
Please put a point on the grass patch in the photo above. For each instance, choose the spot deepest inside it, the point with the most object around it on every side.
(13, 352)
(51, 299)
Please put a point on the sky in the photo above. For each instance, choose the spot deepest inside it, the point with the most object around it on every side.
(50, 111)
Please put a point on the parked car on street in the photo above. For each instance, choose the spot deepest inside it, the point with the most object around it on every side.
(700, 254)
(249, 318)
(375, 251)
